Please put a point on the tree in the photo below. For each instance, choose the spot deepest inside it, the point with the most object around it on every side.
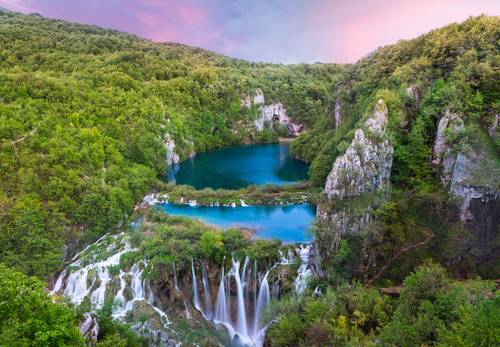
(28, 317)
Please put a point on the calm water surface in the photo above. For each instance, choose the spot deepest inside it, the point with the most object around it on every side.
(286, 223)
(240, 166)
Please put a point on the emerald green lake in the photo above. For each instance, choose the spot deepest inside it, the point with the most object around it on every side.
(240, 166)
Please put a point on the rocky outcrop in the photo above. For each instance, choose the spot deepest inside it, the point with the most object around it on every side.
(364, 168)
(258, 99)
(337, 114)
(413, 93)
(472, 179)
(276, 114)
(172, 157)
(270, 115)
(89, 327)
(492, 130)
(367, 163)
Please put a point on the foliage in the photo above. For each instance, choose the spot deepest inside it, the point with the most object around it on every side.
(28, 317)
(176, 239)
(84, 113)
(344, 316)
(432, 310)
(113, 333)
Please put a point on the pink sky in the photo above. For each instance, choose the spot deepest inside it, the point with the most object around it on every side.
(287, 31)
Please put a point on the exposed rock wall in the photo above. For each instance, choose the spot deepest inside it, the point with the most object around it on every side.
(337, 114)
(364, 168)
(270, 115)
(367, 163)
(172, 157)
(472, 178)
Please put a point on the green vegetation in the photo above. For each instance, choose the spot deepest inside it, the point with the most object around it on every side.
(432, 310)
(164, 240)
(84, 116)
(253, 195)
(28, 317)
(84, 113)
(454, 68)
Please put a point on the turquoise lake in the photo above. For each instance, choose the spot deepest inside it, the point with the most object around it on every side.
(240, 166)
(287, 223)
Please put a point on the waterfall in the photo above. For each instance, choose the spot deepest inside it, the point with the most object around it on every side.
(80, 278)
(241, 315)
(136, 283)
(221, 314)
(262, 301)
(207, 295)
(304, 272)
(196, 299)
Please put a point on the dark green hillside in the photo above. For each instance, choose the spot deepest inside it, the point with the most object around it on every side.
(454, 69)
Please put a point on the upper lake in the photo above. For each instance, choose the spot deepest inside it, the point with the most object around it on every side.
(240, 166)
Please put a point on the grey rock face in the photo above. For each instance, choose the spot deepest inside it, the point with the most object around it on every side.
(470, 178)
(172, 157)
(367, 163)
(258, 99)
(276, 113)
(365, 167)
(336, 113)
(492, 130)
(89, 327)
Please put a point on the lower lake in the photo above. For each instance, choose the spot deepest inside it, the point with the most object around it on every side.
(289, 224)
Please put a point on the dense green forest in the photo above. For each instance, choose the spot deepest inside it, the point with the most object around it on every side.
(454, 68)
(84, 116)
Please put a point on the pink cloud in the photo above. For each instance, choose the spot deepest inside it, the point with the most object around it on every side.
(16, 5)
(353, 29)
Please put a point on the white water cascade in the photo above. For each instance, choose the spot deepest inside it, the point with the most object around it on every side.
(262, 301)
(196, 298)
(207, 295)
(242, 292)
(89, 277)
(243, 321)
(304, 272)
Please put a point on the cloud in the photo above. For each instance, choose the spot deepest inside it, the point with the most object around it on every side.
(285, 31)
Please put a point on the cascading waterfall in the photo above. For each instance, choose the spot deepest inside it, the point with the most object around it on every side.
(207, 295)
(241, 316)
(242, 293)
(304, 273)
(89, 277)
(176, 283)
(196, 298)
(262, 301)
(245, 321)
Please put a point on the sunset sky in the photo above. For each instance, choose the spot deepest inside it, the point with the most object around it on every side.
(281, 31)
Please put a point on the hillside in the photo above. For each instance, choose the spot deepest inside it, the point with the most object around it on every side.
(442, 98)
(89, 115)
(404, 153)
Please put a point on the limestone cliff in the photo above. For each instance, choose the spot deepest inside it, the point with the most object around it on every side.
(172, 157)
(366, 165)
(270, 115)
(472, 178)
(364, 168)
